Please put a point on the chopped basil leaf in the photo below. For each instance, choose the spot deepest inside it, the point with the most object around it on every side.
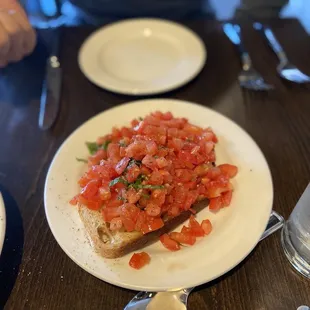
(156, 156)
(149, 186)
(121, 198)
(118, 180)
(134, 162)
(105, 144)
(121, 143)
(146, 196)
(82, 160)
(92, 147)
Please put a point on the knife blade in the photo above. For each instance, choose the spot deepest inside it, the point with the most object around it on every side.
(51, 88)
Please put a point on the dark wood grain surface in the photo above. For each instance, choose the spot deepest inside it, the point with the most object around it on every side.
(36, 274)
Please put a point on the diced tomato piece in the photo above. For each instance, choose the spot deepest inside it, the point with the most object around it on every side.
(208, 146)
(167, 116)
(184, 175)
(74, 200)
(113, 152)
(104, 193)
(110, 213)
(226, 198)
(132, 195)
(152, 209)
(172, 132)
(162, 162)
(151, 148)
(195, 228)
(169, 243)
(174, 210)
(156, 178)
(116, 224)
(215, 203)
(159, 195)
(141, 220)
(152, 224)
(132, 173)
(213, 173)
(99, 155)
(202, 170)
(121, 165)
(93, 204)
(184, 238)
(228, 169)
(139, 260)
(167, 177)
(150, 162)
(91, 189)
(185, 230)
(206, 226)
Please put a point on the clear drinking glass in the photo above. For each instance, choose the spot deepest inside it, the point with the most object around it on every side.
(296, 235)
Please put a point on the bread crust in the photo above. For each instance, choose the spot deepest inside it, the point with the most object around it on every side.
(117, 244)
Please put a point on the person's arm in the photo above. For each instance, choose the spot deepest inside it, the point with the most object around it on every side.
(17, 37)
(260, 8)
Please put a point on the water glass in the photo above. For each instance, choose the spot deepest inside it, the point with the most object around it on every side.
(296, 235)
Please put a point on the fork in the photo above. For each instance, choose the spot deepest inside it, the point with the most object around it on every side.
(248, 77)
(285, 69)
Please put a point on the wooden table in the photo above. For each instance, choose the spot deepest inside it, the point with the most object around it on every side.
(36, 274)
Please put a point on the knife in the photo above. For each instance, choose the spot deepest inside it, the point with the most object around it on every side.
(51, 88)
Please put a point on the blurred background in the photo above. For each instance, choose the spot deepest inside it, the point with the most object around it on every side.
(46, 13)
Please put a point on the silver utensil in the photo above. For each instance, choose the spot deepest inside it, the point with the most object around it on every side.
(177, 300)
(248, 77)
(51, 89)
(285, 69)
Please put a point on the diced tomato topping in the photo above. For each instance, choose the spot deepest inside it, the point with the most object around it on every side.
(230, 170)
(151, 224)
(132, 195)
(91, 189)
(195, 228)
(206, 226)
(116, 223)
(226, 198)
(139, 260)
(169, 243)
(183, 237)
(155, 168)
(215, 203)
(109, 213)
(132, 173)
(121, 165)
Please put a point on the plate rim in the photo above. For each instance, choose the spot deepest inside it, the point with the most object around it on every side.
(160, 90)
(3, 225)
(150, 288)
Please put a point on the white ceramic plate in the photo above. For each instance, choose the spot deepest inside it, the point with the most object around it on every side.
(2, 222)
(142, 56)
(237, 229)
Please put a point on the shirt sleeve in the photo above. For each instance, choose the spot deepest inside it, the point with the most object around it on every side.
(260, 8)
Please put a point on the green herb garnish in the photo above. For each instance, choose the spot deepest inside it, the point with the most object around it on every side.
(118, 180)
(149, 186)
(105, 144)
(92, 147)
(146, 196)
(121, 143)
(121, 198)
(81, 160)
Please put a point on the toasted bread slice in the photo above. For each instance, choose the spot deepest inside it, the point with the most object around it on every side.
(116, 244)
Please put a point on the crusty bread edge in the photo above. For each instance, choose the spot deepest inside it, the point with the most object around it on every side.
(114, 245)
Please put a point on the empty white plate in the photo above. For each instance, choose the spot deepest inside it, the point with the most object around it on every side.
(142, 56)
